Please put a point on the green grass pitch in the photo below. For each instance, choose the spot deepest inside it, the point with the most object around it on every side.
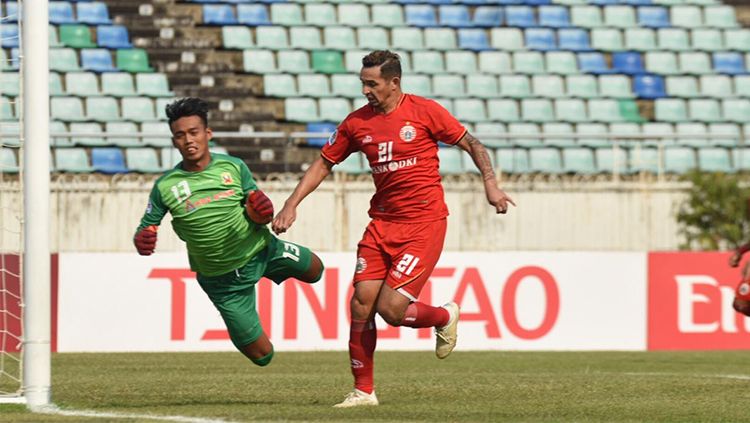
(411, 386)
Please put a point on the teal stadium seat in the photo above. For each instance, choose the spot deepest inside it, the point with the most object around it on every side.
(451, 86)
(482, 86)
(279, 85)
(742, 85)
(55, 84)
(409, 39)
(353, 60)
(604, 110)
(258, 61)
(287, 14)
(730, 135)
(271, 37)
(293, 61)
(736, 110)
(704, 110)
(82, 84)
(606, 39)
(87, 128)
(10, 84)
(138, 109)
(347, 85)
(691, 135)
(707, 39)
(305, 38)
(8, 161)
(644, 160)
(714, 160)
(502, 110)
(609, 160)
(629, 132)
(507, 39)
(122, 128)
(237, 37)
(102, 109)
(620, 16)
(328, 62)
(68, 109)
(670, 110)
(133, 60)
(301, 110)
(169, 157)
(320, 14)
(56, 127)
(640, 39)
(63, 60)
(660, 131)
(586, 16)
(488, 132)
(515, 86)
(545, 160)
(578, 161)
(582, 86)
(162, 134)
(557, 128)
(371, 38)
(470, 110)
(514, 161)
(741, 159)
(523, 135)
(561, 62)
(462, 62)
(387, 15)
(571, 110)
(339, 38)
(720, 16)
(615, 86)
(679, 160)
(417, 84)
(686, 16)
(153, 85)
(440, 39)
(550, 86)
(682, 86)
(528, 62)
(737, 39)
(663, 63)
(495, 62)
(143, 160)
(73, 160)
(10, 134)
(592, 132)
(313, 85)
(451, 162)
(118, 84)
(353, 15)
(673, 39)
(430, 62)
(695, 63)
(537, 110)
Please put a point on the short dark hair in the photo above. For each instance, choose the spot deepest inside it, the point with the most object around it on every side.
(389, 62)
(188, 106)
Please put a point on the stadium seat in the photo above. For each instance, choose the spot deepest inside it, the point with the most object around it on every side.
(727, 134)
(218, 14)
(525, 135)
(578, 161)
(314, 85)
(133, 60)
(102, 109)
(339, 38)
(619, 16)
(582, 86)
(353, 15)
(138, 109)
(287, 14)
(653, 17)
(704, 110)
(573, 39)
(594, 63)
(347, 85)
(93, 13)
(108, 160)
(450, 161)
(561, 62)
(494, 62)
(8, 161)
(253, 14)
(319, 127)
(570, 110)
(162, 135)
(737, 39)
(271, 37)
(660, 131)
(512, 160)
(540, 39)
(502, 110)
(170, 157)
(528, 62)
(417, 84)
(143, 160)
(695, 63)
(586, 16)
(292, 61)
(160, 106)
(604, 110)
(615, 86)
(679, 160)
(55, 84)
(629, 110)
(447, 103)
(153, 85)
(736, 110)
(122, 128)
(451, 86)
(87, 128)
(594, 135)
(283, 85)
(720, 16)
(97, 60)
(53, 41)
(670, 110)
(9, 36)
(507, 39)
(649, 86)
(470, 110)
(6, 110)
(373, 38)
(259, 61)
(515, 86)
(473, 39)
(387, 15)
(550, 86)
(81, 84)
(644, 160)
(61, 60)
(236, 37)
(741, 159)
(113, 36)
(545, 160)
(714, 160)
(661, 63)
(461, 62)
(68, 109)
(420, 15)
(354, 164)
(628, 133)
(686, 16)
(454, 15)
(742, 85)
(640, 39)
(118, 84)
(553, 16)
(611, 160)
(429, 62)
(56, 127)
(61, 12)
(440, 39)
(630, 63)
(488, 17)
(301, 110)
(409, 39)
(520, 16)
(707, 39)
(551, 129)
(10, 84)
(305, 38)
(729, 63)
(682, 86)
(11, 11)
(320, 14)
(73, 160)
(537, 110)
(691, 134)
(673, 39)
(606, 39)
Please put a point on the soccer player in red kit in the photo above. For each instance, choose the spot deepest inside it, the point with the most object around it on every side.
(399, 134)
(741, 302)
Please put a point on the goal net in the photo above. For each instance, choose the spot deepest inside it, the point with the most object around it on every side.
(11, 212)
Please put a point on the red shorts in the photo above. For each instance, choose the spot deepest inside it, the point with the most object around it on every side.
(743, 291)
(402, 254)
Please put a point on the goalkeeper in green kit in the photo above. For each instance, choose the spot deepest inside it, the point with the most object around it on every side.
(220, 213)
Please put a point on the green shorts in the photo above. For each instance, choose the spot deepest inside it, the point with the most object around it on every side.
(233, 293)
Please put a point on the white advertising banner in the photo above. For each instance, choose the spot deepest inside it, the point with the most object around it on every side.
(509, 301)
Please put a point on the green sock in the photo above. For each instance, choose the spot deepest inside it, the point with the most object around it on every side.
(263, 361)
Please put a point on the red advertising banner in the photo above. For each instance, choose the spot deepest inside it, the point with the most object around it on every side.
(690, 303)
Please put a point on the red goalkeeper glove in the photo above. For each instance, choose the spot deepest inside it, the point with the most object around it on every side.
(259, 207)
(145, 240)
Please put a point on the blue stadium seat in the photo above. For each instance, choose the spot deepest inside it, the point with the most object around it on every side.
(603, 2)
(454, 15)
(542, 39)
(554, 16)
(537, 2)
(218, 14)
(94, 13)
(653, 17)
(253, 14)
(321, 127)
(108, 160)
(420, 15)
(637, 2)
(729, 62)
(9, 35)
(11, 11)
(113, 36)
(61, 12)
(630, 63)
(573, 39)
(593, 63)
(488, 16)
(649, 86)
(520, 16)
(97, 60)
(473, 39)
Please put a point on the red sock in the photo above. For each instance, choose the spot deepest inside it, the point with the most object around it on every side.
(362, 340)
(420, 315)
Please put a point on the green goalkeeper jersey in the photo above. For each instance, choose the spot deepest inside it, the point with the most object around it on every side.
(208, 213)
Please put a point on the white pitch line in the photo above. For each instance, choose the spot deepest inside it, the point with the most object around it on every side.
(111, 415)
(737, 377)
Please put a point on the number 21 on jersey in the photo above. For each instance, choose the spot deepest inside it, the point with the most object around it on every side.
(407, 264)
(385, 151)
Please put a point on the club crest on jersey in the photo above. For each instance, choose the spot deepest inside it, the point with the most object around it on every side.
(407, 133)
(361, 265)
(226, 178)
(149, 207)
(367, 140)
(332, 138)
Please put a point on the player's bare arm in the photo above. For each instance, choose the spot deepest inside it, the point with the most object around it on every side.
(495, 196)
(734, 260)
(318, 171)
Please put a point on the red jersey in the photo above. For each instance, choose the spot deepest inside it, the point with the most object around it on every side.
(402, 150)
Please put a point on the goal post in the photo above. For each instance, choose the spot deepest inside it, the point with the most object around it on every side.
(36, 191)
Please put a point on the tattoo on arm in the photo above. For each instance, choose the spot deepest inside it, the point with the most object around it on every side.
(480, 156)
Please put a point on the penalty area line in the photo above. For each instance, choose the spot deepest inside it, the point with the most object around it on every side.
(113, 415)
